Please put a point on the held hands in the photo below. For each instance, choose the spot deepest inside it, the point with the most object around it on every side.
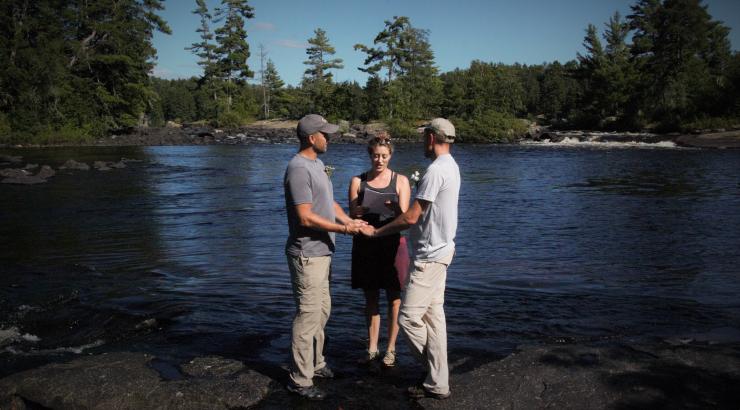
(354, 226)
(368, 230)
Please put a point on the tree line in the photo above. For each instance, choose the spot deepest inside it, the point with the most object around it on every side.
(78, 69)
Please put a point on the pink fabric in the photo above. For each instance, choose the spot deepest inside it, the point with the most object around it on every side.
(402, 262)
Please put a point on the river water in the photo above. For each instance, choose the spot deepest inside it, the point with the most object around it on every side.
(181, 254)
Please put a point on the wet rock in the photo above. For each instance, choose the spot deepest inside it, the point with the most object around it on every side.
(46, 172)
(13, 173)
(30, 167)
(722, 140)
(147, 324)
(101, 166)
(583, 377)
(11, 159)
(212, 366)
(72, 164)
(22, 176)
(126, 381)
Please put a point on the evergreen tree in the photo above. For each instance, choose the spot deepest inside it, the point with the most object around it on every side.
(388, 55)
(205, 51)
(317, 79)
(77, 66)
(274, 89)
(403, 51)
(318, 58)
(232, 50)
(682, 55)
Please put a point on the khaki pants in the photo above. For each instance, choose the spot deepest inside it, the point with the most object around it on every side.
(422, 319)
(310, 279)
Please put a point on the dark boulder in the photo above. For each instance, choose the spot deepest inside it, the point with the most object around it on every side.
(127, 381)
(72, 164)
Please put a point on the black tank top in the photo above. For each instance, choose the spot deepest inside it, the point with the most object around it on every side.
(374, 219)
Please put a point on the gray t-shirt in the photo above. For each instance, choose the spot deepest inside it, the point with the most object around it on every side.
(433, 236)
(306, 182)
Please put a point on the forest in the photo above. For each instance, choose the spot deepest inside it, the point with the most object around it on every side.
(75, 70)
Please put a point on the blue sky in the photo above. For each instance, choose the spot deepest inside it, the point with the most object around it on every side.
(523, 31)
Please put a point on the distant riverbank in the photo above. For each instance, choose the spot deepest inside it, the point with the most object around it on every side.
(283, 132)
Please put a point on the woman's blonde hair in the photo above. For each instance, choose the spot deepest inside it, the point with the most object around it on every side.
(382, 138)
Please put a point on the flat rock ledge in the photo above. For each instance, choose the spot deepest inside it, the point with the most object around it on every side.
(127, 381)
(615, 377)
(618, 376)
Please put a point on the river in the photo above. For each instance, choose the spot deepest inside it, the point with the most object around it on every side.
(181, 254)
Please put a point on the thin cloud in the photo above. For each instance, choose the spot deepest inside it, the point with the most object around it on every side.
(264, 26)
(291, 44)
(161, 72)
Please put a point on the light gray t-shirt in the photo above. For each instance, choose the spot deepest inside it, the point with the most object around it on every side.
(433, 236)
(306, 182)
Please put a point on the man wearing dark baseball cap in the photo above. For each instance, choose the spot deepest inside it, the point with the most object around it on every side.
(313, 123)
(313, 219)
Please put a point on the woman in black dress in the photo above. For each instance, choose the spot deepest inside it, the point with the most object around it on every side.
(373, 259)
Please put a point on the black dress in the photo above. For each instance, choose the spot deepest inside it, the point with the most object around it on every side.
(373, 258)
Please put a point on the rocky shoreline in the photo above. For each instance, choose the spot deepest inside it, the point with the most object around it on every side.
(665, 375)
(283, 132)
(719, 139)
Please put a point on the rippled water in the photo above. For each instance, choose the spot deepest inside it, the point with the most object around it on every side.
(181, 254)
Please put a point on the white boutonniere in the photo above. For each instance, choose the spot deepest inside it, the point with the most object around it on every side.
(416, 177)
(329, 170)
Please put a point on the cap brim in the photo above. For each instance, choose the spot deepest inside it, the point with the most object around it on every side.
(329, 128)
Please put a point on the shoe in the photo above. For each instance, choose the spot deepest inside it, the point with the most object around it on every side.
(308, 392)
(389, 360)
(370, 357)
(324, 373)
(419, 392)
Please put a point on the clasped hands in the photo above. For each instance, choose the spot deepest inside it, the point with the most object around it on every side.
(354, 226)
(358, 226)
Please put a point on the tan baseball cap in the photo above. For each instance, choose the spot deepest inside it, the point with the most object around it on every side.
(442, 126)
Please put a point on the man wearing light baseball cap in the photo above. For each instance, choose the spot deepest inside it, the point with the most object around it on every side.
(313, 219)
(433, 222)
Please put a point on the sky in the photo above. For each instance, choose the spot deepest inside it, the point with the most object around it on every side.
(460, 31)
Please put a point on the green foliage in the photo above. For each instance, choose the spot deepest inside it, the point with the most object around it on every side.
(230, 119)
(73, 70)
(402, 130)
(682, 56)
(491, 126)
(76, 69)
(411, 89)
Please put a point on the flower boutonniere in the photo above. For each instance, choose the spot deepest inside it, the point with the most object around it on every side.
(416, 177)
(329, 170)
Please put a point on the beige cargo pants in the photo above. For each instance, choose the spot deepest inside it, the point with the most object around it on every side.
(422, 319)
(310, 279)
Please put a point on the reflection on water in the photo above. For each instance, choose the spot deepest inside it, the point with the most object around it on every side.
(182, 253)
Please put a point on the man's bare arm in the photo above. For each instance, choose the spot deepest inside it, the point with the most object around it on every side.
(402, 222)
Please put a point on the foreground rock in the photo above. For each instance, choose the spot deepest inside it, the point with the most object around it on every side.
(126, 381)
(621, 377)
(536, 377)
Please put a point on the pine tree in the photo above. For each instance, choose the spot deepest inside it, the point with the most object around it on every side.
(232, 50)
(205, 51)
(317, 79)
(318, 58)
(403, 51)
(682, 55)
(273, 86)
